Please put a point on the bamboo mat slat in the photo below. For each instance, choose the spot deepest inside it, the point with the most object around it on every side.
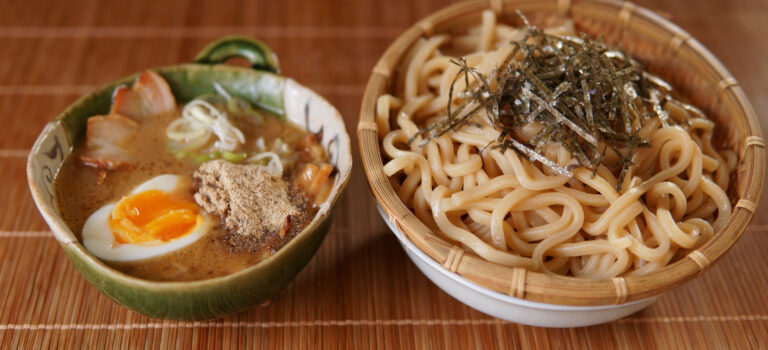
(85, 63)
(360, 290)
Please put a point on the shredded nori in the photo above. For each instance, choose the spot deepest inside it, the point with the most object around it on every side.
(587, 96)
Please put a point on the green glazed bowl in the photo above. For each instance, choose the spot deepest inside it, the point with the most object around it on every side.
(264, 87)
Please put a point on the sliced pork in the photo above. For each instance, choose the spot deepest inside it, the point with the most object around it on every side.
(105, 141)
(106, 136)
(150, 95)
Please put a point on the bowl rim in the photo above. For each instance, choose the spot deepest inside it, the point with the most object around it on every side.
(565, 290)
(66, 236)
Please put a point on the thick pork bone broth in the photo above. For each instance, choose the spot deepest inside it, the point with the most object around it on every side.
(173, 192)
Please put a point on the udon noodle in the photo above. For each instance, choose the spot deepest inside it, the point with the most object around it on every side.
(512, 211)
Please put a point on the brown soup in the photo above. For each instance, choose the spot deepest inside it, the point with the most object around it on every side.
(79, 193)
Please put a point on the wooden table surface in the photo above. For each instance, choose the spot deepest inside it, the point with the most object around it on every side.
(360, 290)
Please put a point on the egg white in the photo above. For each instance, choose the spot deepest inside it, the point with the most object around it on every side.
(99, 240)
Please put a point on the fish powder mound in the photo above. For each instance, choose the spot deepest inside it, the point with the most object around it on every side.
(252, 203)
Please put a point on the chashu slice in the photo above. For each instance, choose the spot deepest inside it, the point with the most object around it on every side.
(149, 95)
(106, 136)
(105, 141)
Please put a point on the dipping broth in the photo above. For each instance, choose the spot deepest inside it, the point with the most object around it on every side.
(234, 198)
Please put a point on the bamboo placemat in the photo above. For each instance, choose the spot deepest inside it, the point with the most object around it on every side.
(360, 290)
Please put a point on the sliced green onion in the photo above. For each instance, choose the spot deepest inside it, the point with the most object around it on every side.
(238, 106)
(233, 157)
(189, 145)
(216, 121)
(280, 147)
(258, 161)
(184, 130)
(213, 99)
(274, 165)
(202, 158)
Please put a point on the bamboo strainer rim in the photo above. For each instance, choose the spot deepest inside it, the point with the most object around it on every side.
(746, 137)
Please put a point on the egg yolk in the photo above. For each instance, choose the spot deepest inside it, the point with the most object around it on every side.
(151, 216)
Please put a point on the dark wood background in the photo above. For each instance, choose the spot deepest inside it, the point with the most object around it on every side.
(360, 290)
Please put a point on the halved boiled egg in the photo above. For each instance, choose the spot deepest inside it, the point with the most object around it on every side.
(154, 219)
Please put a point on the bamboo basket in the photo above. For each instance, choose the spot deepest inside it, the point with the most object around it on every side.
(667, 51)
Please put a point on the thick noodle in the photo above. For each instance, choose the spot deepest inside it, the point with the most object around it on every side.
(508, 210)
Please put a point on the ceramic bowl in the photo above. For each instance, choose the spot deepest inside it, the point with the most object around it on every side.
(510, 308)
(264, 87)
